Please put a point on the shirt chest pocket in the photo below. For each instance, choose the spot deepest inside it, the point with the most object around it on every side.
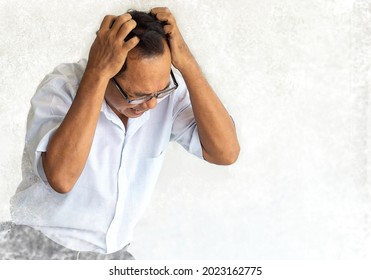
(143, 172)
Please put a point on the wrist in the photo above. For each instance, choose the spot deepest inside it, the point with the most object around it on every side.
(189, 68)
(187, 65)
(93, 83)
(96, 73)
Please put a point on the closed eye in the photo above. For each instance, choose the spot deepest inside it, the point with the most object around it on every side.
(139, 95)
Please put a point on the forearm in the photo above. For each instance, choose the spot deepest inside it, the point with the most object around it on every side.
(215, 126)
(69, 148)
(216, 129)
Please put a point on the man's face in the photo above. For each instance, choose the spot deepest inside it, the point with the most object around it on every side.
(142, 77)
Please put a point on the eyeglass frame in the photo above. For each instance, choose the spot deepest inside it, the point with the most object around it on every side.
(147, 98)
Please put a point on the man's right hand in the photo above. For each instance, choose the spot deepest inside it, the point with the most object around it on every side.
(69, 147)
(109, 50)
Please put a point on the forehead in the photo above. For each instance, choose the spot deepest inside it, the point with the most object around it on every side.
(151, 66)
(147, 75)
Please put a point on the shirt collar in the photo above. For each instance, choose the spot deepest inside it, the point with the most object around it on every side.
(133, 123)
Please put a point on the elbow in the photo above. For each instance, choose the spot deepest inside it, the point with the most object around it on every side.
(60, 185)
(58, 182)
(227, 156)
(231, 156)
(58, 178)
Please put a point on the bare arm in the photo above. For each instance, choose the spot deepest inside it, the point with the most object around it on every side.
(69, 148)
(215, 126)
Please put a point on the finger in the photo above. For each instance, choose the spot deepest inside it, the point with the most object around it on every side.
(120, 20)
(157, 10)
(107, 22)
(126, 28)
(165, 17)
(130, 44)
(169, 29)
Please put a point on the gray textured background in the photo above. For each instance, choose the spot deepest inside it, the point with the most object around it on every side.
(295, 76)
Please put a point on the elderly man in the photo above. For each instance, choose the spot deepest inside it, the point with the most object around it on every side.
(96, 135)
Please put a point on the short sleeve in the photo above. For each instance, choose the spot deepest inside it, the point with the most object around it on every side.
(49, 106)
(184, 129)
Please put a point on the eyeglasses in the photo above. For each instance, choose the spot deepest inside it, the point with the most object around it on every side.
(161, 94)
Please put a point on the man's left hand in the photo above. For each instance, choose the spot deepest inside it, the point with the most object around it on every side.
(180, 53)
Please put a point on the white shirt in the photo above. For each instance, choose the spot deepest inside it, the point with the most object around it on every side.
(100, 212)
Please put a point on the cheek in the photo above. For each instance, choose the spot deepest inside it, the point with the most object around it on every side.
(123, 107)
(120, 103)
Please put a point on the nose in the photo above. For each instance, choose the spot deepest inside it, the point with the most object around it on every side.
(150, 104)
